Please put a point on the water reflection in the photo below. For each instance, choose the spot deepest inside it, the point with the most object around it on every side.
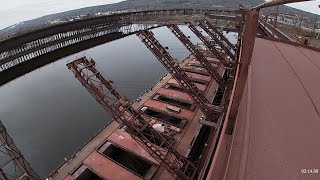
(49, 114)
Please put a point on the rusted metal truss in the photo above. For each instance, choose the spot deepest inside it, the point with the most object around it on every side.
(154, 142)
(12, 164)
(198, 55)
(211, 47)
(210, 111)
(219, 38)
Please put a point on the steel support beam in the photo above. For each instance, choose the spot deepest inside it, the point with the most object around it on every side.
(15, 166)
(218, 37)
(3, 175)
(198, 55)
(211, 47)
(210, 111)
(221, 36)
(106, 94)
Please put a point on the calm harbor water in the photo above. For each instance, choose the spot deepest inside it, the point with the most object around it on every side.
(50, 115)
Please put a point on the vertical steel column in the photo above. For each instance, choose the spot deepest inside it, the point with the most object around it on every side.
(15, 166)
(198, 55)
(209, 110)
(106, 94)
(277, 14)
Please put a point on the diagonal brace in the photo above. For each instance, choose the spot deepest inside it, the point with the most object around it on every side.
(211, 47)
(218, 40)
(198, 55)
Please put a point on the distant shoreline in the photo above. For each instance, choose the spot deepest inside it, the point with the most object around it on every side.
(48, 20)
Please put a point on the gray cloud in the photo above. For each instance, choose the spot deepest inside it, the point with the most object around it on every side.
(15, 11)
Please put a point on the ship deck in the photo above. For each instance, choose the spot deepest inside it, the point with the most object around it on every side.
(277, 131)
(169, 107)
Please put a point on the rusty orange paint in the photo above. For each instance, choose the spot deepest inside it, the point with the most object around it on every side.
(201, 87)
(125, 140)
(175, 94)
(160, 106)
(108, 169)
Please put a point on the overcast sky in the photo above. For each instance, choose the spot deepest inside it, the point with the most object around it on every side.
(311, 6)
(14, 11)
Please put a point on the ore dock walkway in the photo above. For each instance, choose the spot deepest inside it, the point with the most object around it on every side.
(277, 132)
(92, 156)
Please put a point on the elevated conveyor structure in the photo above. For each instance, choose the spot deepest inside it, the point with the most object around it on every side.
(218, 38)
(211, 112)
(212, 48)
(198, 55)
(139, 128)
